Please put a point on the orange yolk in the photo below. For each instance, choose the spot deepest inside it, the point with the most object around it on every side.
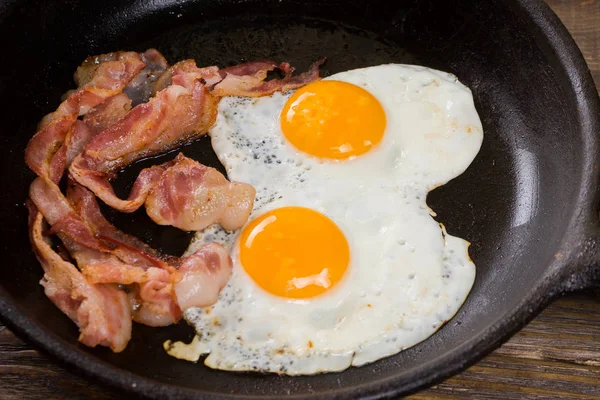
(294, 252)
(333, 120)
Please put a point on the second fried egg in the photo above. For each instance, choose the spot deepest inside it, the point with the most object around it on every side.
(341, 262)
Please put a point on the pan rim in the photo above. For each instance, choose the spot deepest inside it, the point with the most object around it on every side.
(571, 60)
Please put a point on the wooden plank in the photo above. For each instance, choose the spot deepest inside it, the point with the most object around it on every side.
(556, 356)
(582, 19)
(26, 373)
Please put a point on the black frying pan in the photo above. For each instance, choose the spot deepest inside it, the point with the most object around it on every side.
(527, 203)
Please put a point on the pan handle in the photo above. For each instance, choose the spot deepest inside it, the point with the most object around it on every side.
(584, 264)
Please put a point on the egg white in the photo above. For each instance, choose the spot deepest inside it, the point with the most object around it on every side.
(406, 276)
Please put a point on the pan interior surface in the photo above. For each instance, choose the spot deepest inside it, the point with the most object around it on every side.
(509, 203)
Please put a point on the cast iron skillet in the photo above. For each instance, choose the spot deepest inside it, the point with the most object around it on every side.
(527, 203)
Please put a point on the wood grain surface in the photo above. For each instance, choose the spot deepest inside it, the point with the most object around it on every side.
(557, 356)
(582, 19)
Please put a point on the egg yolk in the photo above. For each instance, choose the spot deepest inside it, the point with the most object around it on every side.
(333, 120)
(294, 252)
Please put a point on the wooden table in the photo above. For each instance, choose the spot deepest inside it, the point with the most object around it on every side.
(557, 356)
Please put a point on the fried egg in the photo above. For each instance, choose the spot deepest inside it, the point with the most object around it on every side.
(341, 262)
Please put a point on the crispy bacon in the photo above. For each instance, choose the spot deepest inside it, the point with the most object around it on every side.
(59, 213)
(151, 291)
(123, 274)
(177, 114)
(191, 196)
(173, 117)
(80, 132)
(100, 117)
(107, 255)
(85, 205)
(98, 79)
(102, 312)
(107, 113)
(88, 248)
(249, 79)
(209, 264)
(187, 69)
(44, 145)
(182, 192)
(242, 80)
(77, 136)
(88, 70)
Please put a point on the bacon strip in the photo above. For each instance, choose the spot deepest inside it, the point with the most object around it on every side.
(107, 113)
(107, 255)
(205, 273)
(123, 274)
(94, 254)
(100, 117)
(175, 116)
(191, 196)
(75, 226)
(197, 282)
(59, 213)
(85, 205)
(102, 312)
(84, 226)
(181, 192)
(249, 79)
(74, 141)
(187, 68)
(98, 80)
